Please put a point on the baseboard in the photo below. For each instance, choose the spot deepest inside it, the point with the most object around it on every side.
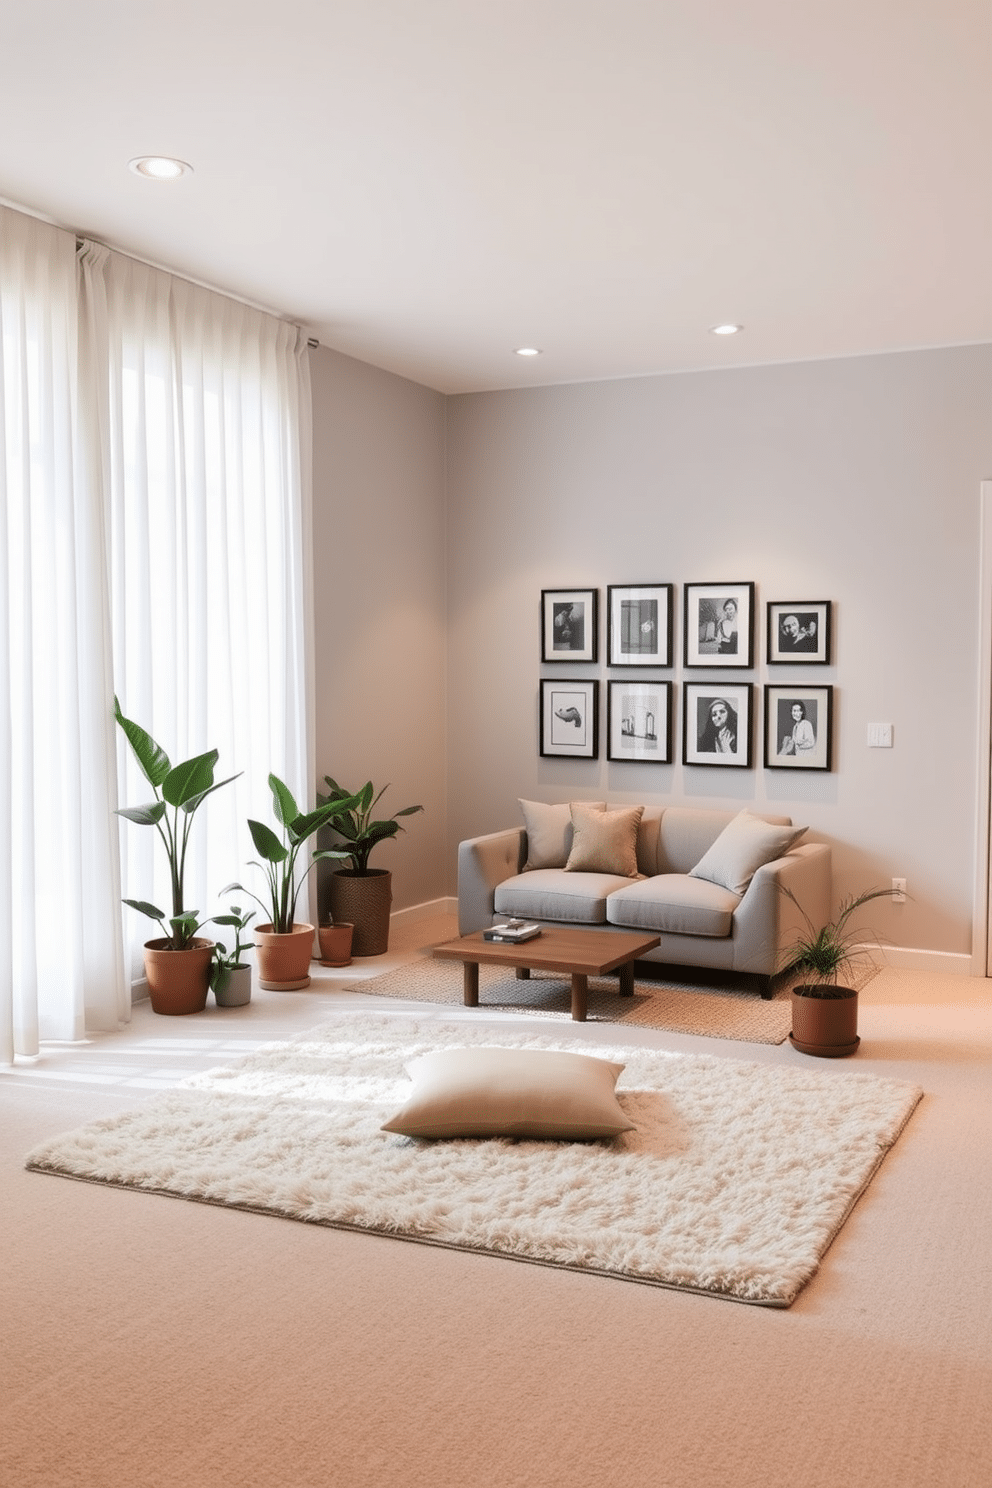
(415, 912)
(906, 958)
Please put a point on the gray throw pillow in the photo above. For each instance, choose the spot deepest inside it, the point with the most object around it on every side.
(745, 845)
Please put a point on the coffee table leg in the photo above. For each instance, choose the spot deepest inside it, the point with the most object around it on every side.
(523, 973)
(627, 979)
(471, 983)
(580, 989)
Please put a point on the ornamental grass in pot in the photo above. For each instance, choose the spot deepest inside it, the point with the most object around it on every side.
(285, 945)
(177, 964)
(362, 894)
(824, 1009)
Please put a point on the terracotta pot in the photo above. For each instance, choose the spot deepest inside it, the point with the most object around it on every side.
(364, 899)
(825, 1026)
(178, 980)
(236, 990)
(284, 960)
(335, 943)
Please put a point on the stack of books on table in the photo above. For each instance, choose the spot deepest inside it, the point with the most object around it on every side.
(513, 932)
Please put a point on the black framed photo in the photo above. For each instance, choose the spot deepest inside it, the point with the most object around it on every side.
(719, 625)
(716, 724)
(639, 625)
(639, 725)
(569, 718)
(799, 632)
(569, 624)
(798, 727)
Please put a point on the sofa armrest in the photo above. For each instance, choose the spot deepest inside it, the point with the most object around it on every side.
(483, 864)
(766, 922)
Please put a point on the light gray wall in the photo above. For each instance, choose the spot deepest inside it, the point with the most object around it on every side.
(379, 570)
(854, 480)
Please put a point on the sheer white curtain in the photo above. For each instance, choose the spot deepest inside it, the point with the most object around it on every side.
(61, 965)
(154, 542)
(206, 470)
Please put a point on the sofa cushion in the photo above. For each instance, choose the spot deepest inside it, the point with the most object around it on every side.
(549, 832)
(745, 845)
(511, 1093)
(604, 841)
(676, 904)
(553, 894)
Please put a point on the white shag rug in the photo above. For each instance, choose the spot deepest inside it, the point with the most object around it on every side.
(734, 1183)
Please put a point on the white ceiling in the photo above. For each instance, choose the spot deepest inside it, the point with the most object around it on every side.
(427, 184)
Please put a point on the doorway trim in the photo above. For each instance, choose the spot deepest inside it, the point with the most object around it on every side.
(981, 935)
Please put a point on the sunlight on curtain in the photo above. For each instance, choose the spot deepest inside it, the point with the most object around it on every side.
(60, 930)
(208, 493)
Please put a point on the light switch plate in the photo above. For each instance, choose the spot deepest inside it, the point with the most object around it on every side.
(880, 736)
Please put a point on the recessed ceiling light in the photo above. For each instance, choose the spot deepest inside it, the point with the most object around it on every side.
(725, 330)
(159, 167)
(527, 351)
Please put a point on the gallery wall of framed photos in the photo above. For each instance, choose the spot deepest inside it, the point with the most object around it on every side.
(719, 717)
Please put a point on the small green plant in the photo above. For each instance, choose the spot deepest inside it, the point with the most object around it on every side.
(352, 820)
(819, 956)
(226, 961)
(179, 793)
(279, 855)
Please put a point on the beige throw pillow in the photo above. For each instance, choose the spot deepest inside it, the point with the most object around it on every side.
(511, 1093)
(549, 832)
(744, 846)
(604, 841)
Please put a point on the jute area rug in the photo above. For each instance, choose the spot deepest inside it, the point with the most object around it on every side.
(695, 1003)
(733, 1183)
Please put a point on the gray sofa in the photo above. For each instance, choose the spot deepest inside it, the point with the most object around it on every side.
(701, 923)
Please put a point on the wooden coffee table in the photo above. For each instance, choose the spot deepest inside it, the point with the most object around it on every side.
(580, 953)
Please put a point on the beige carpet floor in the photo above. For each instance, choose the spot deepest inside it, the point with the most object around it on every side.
(706, 1004)
(155, 1344)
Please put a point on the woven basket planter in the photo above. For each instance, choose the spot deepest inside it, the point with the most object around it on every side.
(365, 899)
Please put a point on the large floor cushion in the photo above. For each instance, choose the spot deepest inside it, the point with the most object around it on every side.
(553, 894)
(675, 904)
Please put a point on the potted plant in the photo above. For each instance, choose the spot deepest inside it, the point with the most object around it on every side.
(177, 965)
(824, 1011)
(334, 938)
(230, 974)
(362, 894)
(284, 945)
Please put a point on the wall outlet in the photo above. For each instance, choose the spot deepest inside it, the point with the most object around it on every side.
(899, 891)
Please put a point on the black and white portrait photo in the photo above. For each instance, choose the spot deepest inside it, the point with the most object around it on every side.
(799, 632)
(569, 718)
(719, 625)
(569, 627)
(568, 624)
(798, 727)
(640, 721)
(716, 723)
(640, 624)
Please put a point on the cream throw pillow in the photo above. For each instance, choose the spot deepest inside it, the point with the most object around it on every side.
(511, 1093)
(604, 841)
(744, 846)
(549, 832)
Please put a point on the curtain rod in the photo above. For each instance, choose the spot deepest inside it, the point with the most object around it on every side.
(150, 263)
